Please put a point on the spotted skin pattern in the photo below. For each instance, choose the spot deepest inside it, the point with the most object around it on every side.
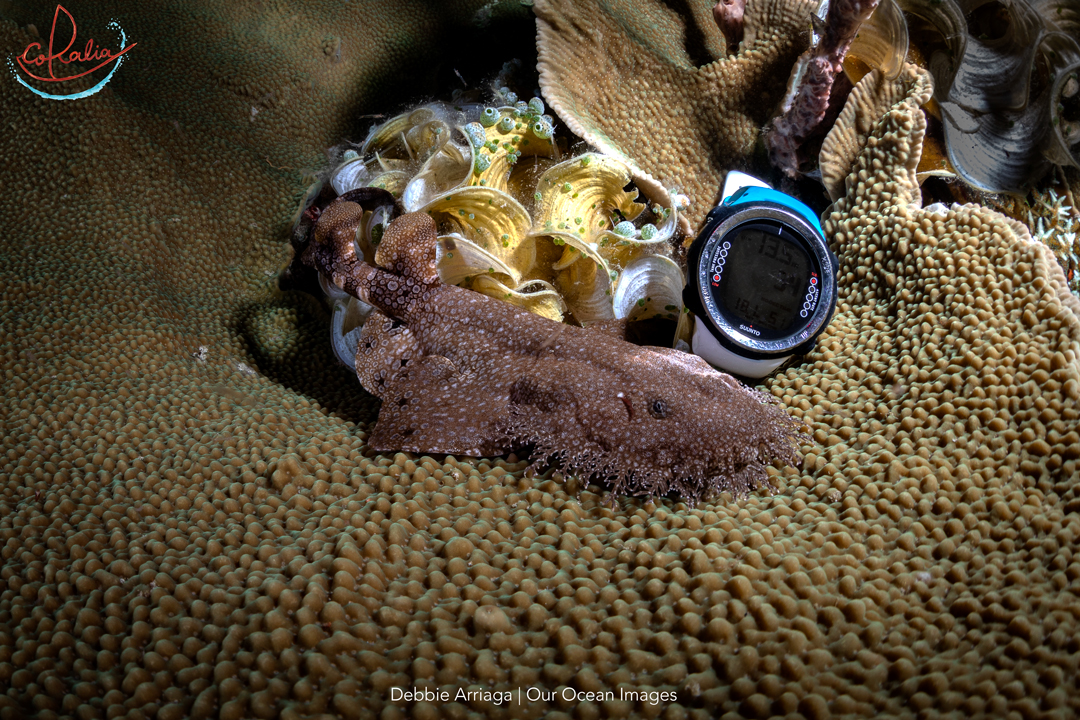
(459, 372)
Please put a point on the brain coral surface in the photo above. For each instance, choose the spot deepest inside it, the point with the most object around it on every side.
(192, 526)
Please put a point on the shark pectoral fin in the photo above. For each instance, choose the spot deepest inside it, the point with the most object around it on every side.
(386, 347)
(422, 412)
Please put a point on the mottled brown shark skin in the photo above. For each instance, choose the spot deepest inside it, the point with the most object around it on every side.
(459, 372)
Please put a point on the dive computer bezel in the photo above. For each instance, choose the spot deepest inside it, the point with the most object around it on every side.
(723, 343)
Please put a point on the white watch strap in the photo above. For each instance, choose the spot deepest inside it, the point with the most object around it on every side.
(736, 181)
(709, 349)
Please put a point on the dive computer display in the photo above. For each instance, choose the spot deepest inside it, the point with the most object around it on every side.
(762, 280)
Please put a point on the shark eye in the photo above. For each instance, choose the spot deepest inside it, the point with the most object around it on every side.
(658, 409)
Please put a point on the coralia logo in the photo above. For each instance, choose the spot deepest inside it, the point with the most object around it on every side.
(33, 58)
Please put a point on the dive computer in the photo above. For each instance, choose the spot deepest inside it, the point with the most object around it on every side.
(762, 279)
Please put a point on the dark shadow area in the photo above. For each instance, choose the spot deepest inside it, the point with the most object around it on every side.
(807, 189)
(465, 63)
(697, 41)
(289, 342)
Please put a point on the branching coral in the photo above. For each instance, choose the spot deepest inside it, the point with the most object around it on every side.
(1054, 220)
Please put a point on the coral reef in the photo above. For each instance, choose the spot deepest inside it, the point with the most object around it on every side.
(1055, 221)
(463, 373)
(868, 101)
(653, 84)
(193, 525)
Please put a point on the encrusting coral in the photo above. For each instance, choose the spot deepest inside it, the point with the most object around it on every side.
(192, 523)
(657, 87)
(460, 372)
(868, 101)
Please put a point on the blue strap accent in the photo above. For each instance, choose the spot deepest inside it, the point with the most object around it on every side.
(757, 194)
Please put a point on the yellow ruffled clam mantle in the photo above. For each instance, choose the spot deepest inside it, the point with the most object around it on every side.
(557, 236)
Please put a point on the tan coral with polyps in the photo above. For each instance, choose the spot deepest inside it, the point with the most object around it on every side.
(659, 89)
(192, 525)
